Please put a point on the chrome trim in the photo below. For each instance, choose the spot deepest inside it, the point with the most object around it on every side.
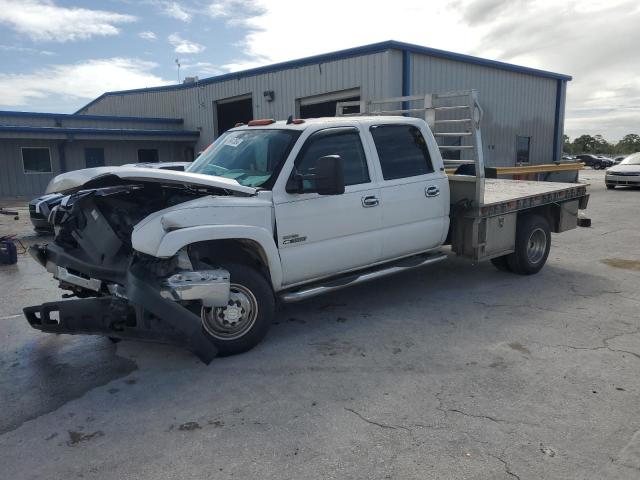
(210, 286)
(340, 283)
(63, 275)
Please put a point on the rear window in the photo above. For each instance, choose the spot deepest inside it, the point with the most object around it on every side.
(402, 151)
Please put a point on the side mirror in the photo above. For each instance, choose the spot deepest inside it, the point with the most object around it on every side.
(330, 175)
(327, 177)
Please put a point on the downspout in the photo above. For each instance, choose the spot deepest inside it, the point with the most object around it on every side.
(62, 158)
(406, 77)
(557, 134)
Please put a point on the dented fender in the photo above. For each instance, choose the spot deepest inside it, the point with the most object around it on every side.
(174, 240)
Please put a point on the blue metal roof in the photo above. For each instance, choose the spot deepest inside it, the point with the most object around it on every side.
(100, 131)
(75, 116)
(340, 55)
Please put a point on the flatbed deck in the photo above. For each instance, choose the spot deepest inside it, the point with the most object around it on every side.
(504, 196)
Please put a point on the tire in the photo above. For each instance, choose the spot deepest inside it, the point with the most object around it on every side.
(533, 242)
(610, 187)
(501, 263)
(597, 166)
(253, 303)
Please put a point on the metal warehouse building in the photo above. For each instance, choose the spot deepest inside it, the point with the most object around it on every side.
(524, 107)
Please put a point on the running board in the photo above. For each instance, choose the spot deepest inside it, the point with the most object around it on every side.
(366, 276)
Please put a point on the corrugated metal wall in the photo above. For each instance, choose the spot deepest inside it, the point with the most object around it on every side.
(514, 104)
(370, 73)
(14, 182)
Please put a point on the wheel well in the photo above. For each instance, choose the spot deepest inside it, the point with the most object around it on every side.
(243, 251)
(550, 212)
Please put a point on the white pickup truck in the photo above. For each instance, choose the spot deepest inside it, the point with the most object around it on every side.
(281, 211)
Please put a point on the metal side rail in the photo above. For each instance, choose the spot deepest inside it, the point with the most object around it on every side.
(384, 270)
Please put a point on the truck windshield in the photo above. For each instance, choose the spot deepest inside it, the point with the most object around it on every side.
(251, 157)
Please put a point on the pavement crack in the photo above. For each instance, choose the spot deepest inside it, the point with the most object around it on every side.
(507, 469)
(377, 424)
(605, 344)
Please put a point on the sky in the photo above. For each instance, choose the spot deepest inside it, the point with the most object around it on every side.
(56, 55)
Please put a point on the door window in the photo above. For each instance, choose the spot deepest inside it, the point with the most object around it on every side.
(335, 141)
(402, 151)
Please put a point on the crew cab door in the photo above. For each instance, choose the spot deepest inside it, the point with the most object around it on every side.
(323, 235)
(414, 195)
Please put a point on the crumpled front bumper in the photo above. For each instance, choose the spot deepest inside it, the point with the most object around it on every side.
(142, 313)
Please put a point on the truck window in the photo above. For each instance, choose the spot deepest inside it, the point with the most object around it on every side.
(339, 141)
(402, 151)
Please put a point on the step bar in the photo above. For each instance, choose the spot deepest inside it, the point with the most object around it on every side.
(366, 276)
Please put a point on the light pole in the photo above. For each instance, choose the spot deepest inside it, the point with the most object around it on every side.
(178, 64)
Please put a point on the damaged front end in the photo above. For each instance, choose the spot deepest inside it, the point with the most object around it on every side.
(120, 292)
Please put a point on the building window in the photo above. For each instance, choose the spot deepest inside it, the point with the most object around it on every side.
(522, 149)
(402, 151)
(36, 160)
(147, 155)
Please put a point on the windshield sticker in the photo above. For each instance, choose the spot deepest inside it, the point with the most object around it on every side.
(233, 141)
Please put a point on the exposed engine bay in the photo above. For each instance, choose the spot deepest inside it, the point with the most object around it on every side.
(120, 292)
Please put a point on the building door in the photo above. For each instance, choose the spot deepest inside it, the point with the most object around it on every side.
(231, 111)
(94, 157)
(325, 105)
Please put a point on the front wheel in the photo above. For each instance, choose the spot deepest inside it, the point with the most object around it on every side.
(610, 187)
(245, 321)
(533, 242)
(597, 166)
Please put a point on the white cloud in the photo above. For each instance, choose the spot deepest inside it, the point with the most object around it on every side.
(147, 35)
(78, 81)
(595, 41)
(44, 20)
(177, 11)
(184, 46)
(202, 69)
(19, 49)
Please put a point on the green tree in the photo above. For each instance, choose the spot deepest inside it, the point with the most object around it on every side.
(585, 144)
(629, 144)
(566, 144)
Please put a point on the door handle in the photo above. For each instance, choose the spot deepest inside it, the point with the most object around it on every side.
(432, 191)
(370, 201)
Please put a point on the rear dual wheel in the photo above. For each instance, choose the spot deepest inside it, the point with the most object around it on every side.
(533, 242)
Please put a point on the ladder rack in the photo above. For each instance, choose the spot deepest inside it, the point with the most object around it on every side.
(441, 111)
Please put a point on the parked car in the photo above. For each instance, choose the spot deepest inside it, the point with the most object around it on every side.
(626, 173)
(597, 162)
(39, 207)
(619, 159)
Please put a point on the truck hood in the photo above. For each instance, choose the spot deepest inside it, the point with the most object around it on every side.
(78, 178)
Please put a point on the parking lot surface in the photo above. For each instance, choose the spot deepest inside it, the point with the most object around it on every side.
(453, 371)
